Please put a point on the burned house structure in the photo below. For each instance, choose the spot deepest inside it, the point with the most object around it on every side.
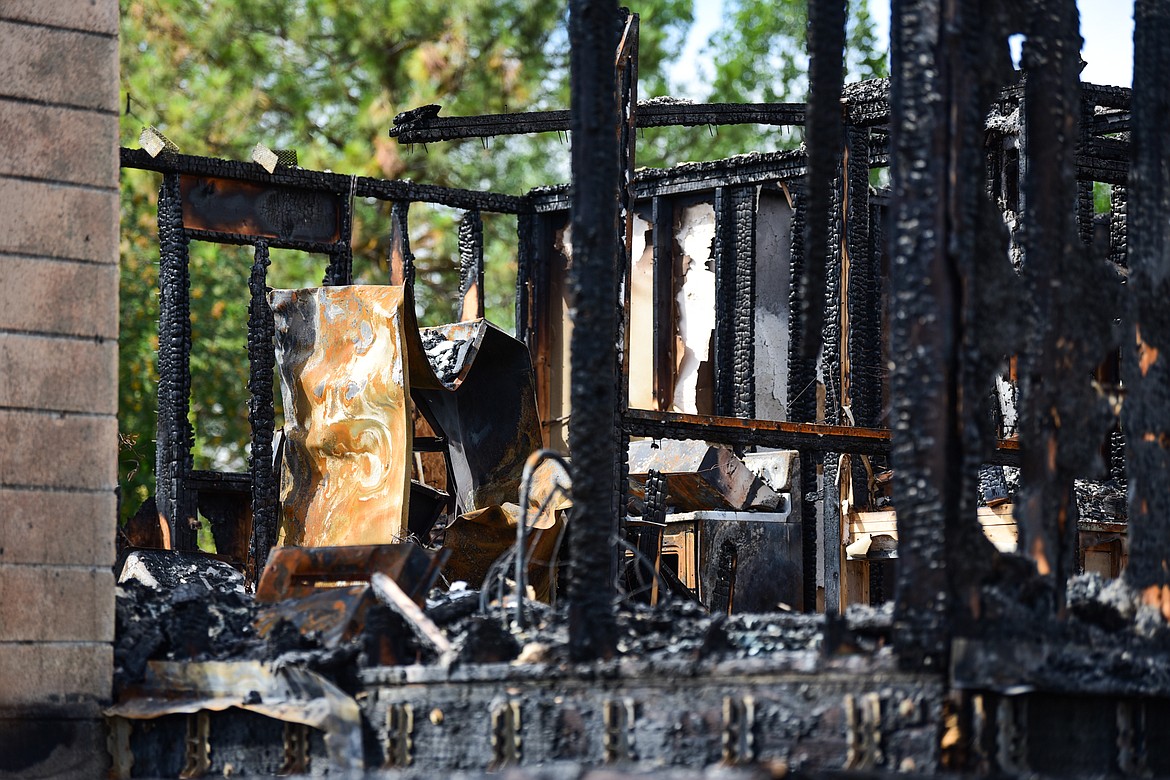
(864, 476)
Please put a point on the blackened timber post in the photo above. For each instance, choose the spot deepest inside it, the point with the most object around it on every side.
(471, 266)
(401, 258)
(802, 401)
(1055, 257)
(173, 434)
(261, 414)
(826, 43)
(1146, 348)
(735, 292)
(593, 350)
(340, 269)
(663, 302)
(922, 332)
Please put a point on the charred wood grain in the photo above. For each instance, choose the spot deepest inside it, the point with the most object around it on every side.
(1146, 352)
(824, 141)
(663, 301)
(261, 413)
(596, 170)
(471, 266)
(735, 292)
(1066, 339)
(174, 434)
(401, 258)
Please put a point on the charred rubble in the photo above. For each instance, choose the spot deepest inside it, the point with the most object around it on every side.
(862, 478)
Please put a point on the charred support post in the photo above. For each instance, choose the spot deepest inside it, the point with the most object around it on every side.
(174, 435)
(1051, 375)
(594, 285)
(470, 266)
(802, 401)
(663, 302)
(823, 124)
(401, 258)
(926, 449)
(1146, 354)
(735, 294)
(340, 270)
(261, 414)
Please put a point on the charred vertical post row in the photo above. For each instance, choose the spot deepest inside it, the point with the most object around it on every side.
(735, 274)
(174, 435)
(471, 266)
(663, 301)
(802, 402)
(1146, 351)
(261, 412)
(594, 287)
(1052, 377)
(401, 258)
(823, 133)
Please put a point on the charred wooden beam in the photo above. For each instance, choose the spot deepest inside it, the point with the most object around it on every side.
(596, 170)
(735, 293)
(471, 266)
(261, 414)
(681, 113)
(1055, 260)
(355, 186)
(401, 258)
(663, 302)
(824, 133)
(1146, 355)
(174, 435)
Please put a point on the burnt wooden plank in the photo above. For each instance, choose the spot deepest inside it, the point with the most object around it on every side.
(260, 210)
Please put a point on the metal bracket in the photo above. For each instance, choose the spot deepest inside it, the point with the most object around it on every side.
(739, 729)
(399, 735)
(118, 745)
(197, 745)
(619, 717)
(864, 718)
(507, 742)
(296, 749)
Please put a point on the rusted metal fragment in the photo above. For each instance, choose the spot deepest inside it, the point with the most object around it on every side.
(298, 571)
(1146, 353)
(334, 615)
(477, 539)
(699, 476)
(291, 694)
(345, 473)
(476, 385)
(262, 210)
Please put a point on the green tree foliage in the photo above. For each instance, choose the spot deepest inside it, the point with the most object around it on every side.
(326, 77)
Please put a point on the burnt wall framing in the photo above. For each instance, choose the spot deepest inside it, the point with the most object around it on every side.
(236, 203)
